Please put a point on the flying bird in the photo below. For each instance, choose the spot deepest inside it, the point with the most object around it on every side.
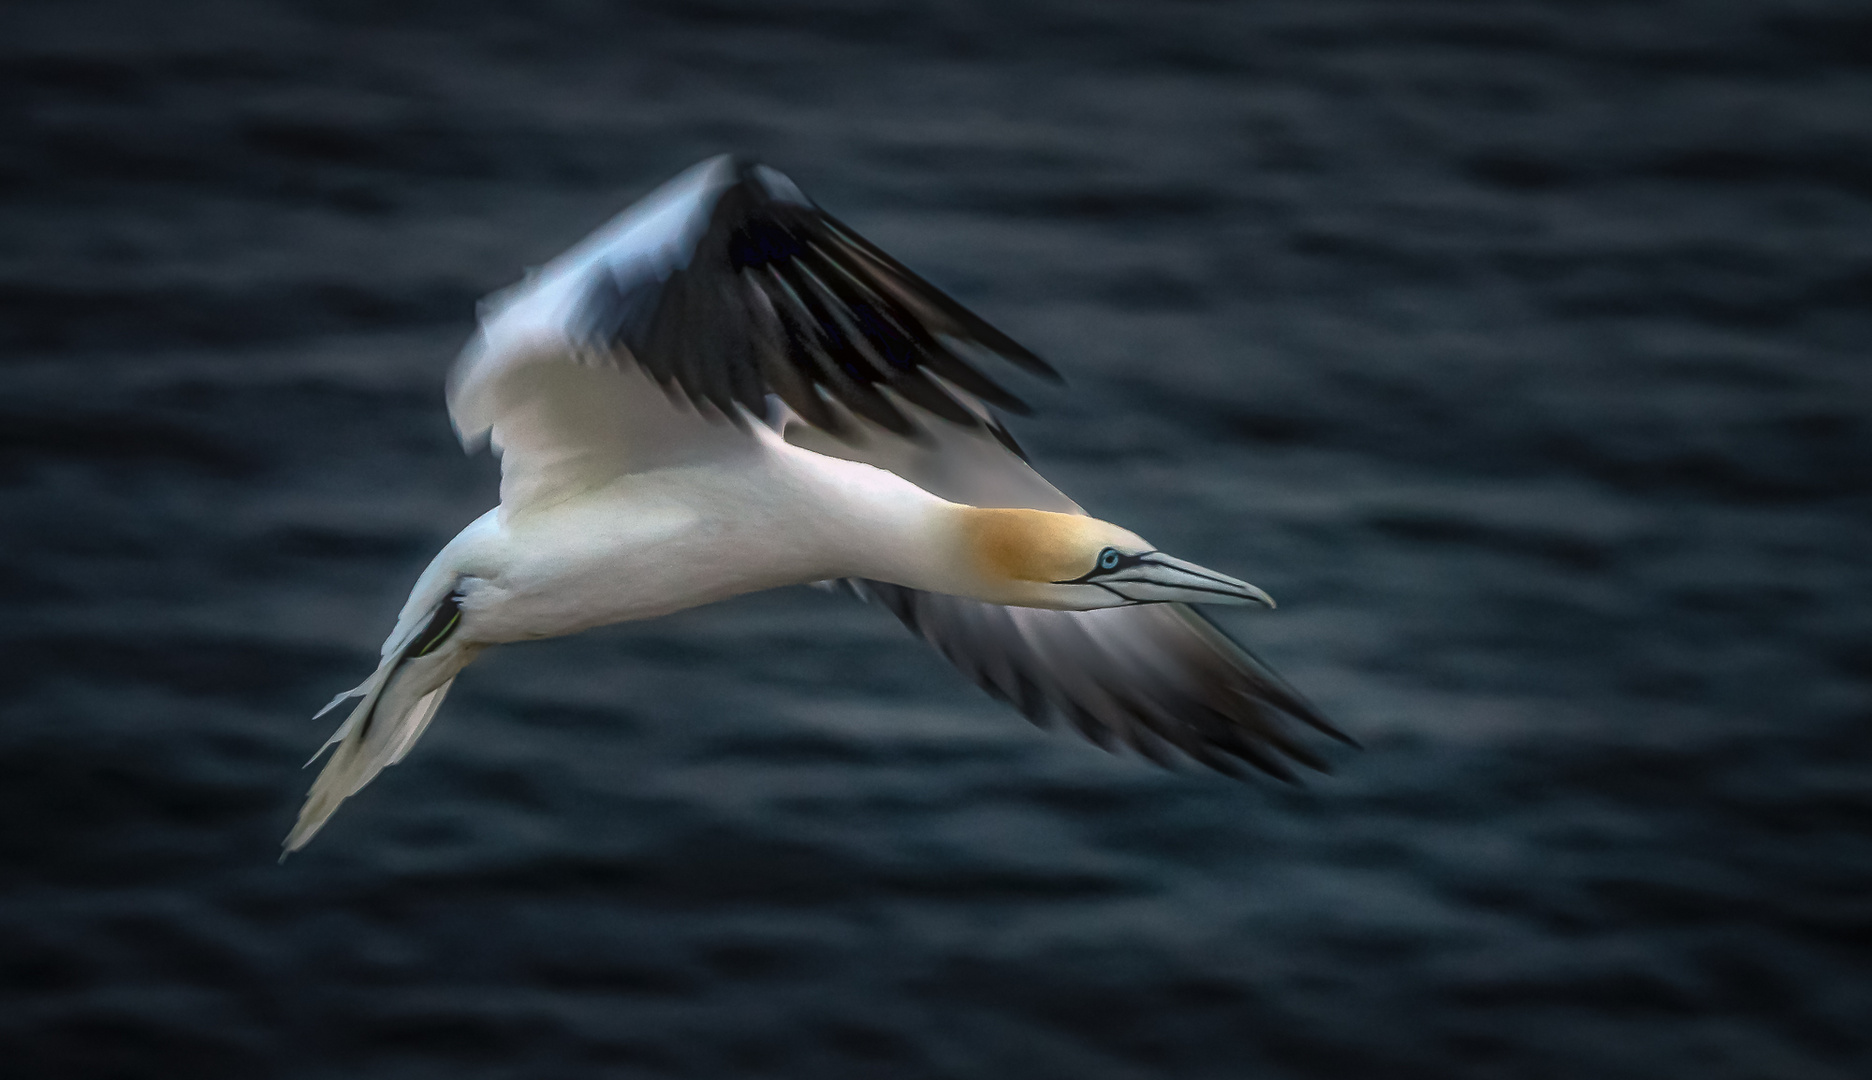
(726, 389)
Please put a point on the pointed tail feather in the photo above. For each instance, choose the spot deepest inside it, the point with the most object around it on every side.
(420, 716)
(397, 703)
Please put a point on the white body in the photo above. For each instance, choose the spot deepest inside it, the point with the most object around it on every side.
(655, 542)
(620, 501)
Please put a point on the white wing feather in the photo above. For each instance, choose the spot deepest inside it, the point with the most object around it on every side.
(562, 418)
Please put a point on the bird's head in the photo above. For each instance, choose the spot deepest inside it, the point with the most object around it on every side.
(1036, 558)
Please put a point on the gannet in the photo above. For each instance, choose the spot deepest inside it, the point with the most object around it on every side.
(726, 389)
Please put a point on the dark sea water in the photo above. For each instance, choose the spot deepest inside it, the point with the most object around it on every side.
(1519, 349)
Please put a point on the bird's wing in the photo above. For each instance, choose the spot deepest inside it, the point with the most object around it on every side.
(724, 286)
(1154, 677)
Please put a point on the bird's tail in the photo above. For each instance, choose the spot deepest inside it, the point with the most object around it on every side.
(395, 704)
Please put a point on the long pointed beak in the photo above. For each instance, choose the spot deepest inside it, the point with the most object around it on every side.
(1160, 578)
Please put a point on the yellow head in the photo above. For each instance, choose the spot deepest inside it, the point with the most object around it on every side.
(1035, 558)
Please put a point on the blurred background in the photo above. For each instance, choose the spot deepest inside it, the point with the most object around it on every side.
(1517, 348)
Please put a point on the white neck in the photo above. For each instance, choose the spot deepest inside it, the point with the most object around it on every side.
(878, 525)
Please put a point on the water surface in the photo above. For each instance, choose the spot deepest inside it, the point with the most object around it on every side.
(1518, 349)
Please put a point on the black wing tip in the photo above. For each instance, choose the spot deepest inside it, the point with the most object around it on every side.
(849, 319)
(763, 179)
(1279, 770)
(1290, 703)
(1225, 761)
(1253, 736)
(1006, 438)
(1283, 695)
(1298, 707)
(1239, 758)
(1014, 405)
(1030, 362)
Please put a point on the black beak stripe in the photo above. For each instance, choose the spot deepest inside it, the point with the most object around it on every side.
(1125, 562)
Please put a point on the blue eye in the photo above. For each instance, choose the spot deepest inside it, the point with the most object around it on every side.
(1108, 559)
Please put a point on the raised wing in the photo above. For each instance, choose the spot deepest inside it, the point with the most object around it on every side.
(776, 296)
(724, 286)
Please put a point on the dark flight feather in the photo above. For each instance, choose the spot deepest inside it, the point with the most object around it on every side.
(776, 296)
(1155, 678)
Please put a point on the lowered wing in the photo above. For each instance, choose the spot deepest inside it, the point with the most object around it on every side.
(1155, 678)
(1158, 678)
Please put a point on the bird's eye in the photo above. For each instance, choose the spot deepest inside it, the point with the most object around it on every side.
(1108, 559)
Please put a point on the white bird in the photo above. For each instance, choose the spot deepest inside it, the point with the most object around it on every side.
(726, 389)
